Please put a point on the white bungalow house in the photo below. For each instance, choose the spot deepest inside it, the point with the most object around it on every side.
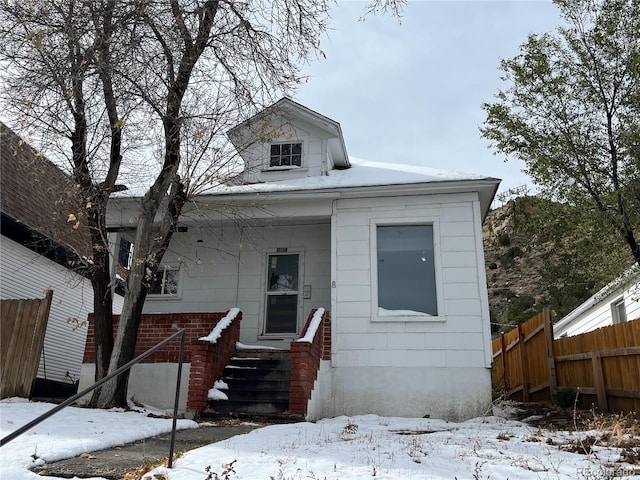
(38, 249)
(617, 302)
(394, 252)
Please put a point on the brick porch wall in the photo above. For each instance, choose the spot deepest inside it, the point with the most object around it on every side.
(305, 362)
(207, 364)
(207, 359)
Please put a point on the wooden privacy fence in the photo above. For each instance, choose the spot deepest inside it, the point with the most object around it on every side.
(602, 366)
(23, 324)
(523, 365)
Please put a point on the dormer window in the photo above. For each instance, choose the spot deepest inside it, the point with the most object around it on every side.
(285, 155)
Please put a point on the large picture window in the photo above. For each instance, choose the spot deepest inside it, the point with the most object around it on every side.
(286, 155)
(406, 271)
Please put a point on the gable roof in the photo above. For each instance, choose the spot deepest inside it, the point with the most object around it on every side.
(291, 109)
(364, 173)
(36, 198)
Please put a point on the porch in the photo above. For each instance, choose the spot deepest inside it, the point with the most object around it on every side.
(276, 273)
(268, 391)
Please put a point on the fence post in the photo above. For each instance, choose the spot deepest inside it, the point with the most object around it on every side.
(523, 364)
(503, 347)
(551, 361)
(598, 382)
(38, 344)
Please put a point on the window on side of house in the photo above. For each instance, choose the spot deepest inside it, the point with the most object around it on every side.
(618, 311)
(285, 155)
(123, 265)
(125, 253)
(165, 281)
(406, 272)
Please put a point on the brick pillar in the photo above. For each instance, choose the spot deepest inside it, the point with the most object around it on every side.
(305, 362)
(201, 377)
(207, 364)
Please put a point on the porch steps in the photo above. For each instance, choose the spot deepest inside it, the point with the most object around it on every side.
(258, 381)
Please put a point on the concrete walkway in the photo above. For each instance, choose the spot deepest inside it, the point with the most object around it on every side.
(116, 462)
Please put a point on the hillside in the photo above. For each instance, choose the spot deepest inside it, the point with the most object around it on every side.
(537, 254)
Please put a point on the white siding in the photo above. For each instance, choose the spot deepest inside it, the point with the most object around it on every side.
(411, 367)
(314, 152)
(632, 304)
(437, 366)
(25, 274)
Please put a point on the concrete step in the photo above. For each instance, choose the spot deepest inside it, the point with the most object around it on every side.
(253, 385)
(255, 374)
(258, 383)
(262, 363)
(264, 396)
(266, 354)
(280, 417)
(256, 408)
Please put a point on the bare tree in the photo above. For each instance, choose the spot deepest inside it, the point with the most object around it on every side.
(116, 79)
(58, 86)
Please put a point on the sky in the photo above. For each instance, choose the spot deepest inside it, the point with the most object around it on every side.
(412, 92)
(344, 448)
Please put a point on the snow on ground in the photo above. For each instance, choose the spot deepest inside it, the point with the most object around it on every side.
(68, 433)
(369, 446)
(343, 448)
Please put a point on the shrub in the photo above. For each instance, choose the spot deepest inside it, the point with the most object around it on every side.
(565, 397)
(504, 239)
(522, 308)
(514, 252)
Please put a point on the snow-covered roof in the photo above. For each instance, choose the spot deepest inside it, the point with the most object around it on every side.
(362, 173)
(392, 178)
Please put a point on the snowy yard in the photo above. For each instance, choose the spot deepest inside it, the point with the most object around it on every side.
(360, 447)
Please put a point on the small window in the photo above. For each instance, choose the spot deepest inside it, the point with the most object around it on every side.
(125, 253)
(406, 271)
(123, 265)
(286, 155)
(618, 311)
(165, 281)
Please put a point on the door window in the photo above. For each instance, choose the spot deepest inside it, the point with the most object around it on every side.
(282, 293)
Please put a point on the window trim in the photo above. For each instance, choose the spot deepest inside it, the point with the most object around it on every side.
(285, 167)
(129, 252)
(373, 256)
(169, 296)
(615, 310)
(266, 253)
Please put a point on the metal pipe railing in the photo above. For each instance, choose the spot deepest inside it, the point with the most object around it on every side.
(180, 333)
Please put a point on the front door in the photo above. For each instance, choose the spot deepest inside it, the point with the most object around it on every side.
(282, 293)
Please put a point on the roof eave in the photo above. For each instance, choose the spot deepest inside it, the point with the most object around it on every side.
(486, 188)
